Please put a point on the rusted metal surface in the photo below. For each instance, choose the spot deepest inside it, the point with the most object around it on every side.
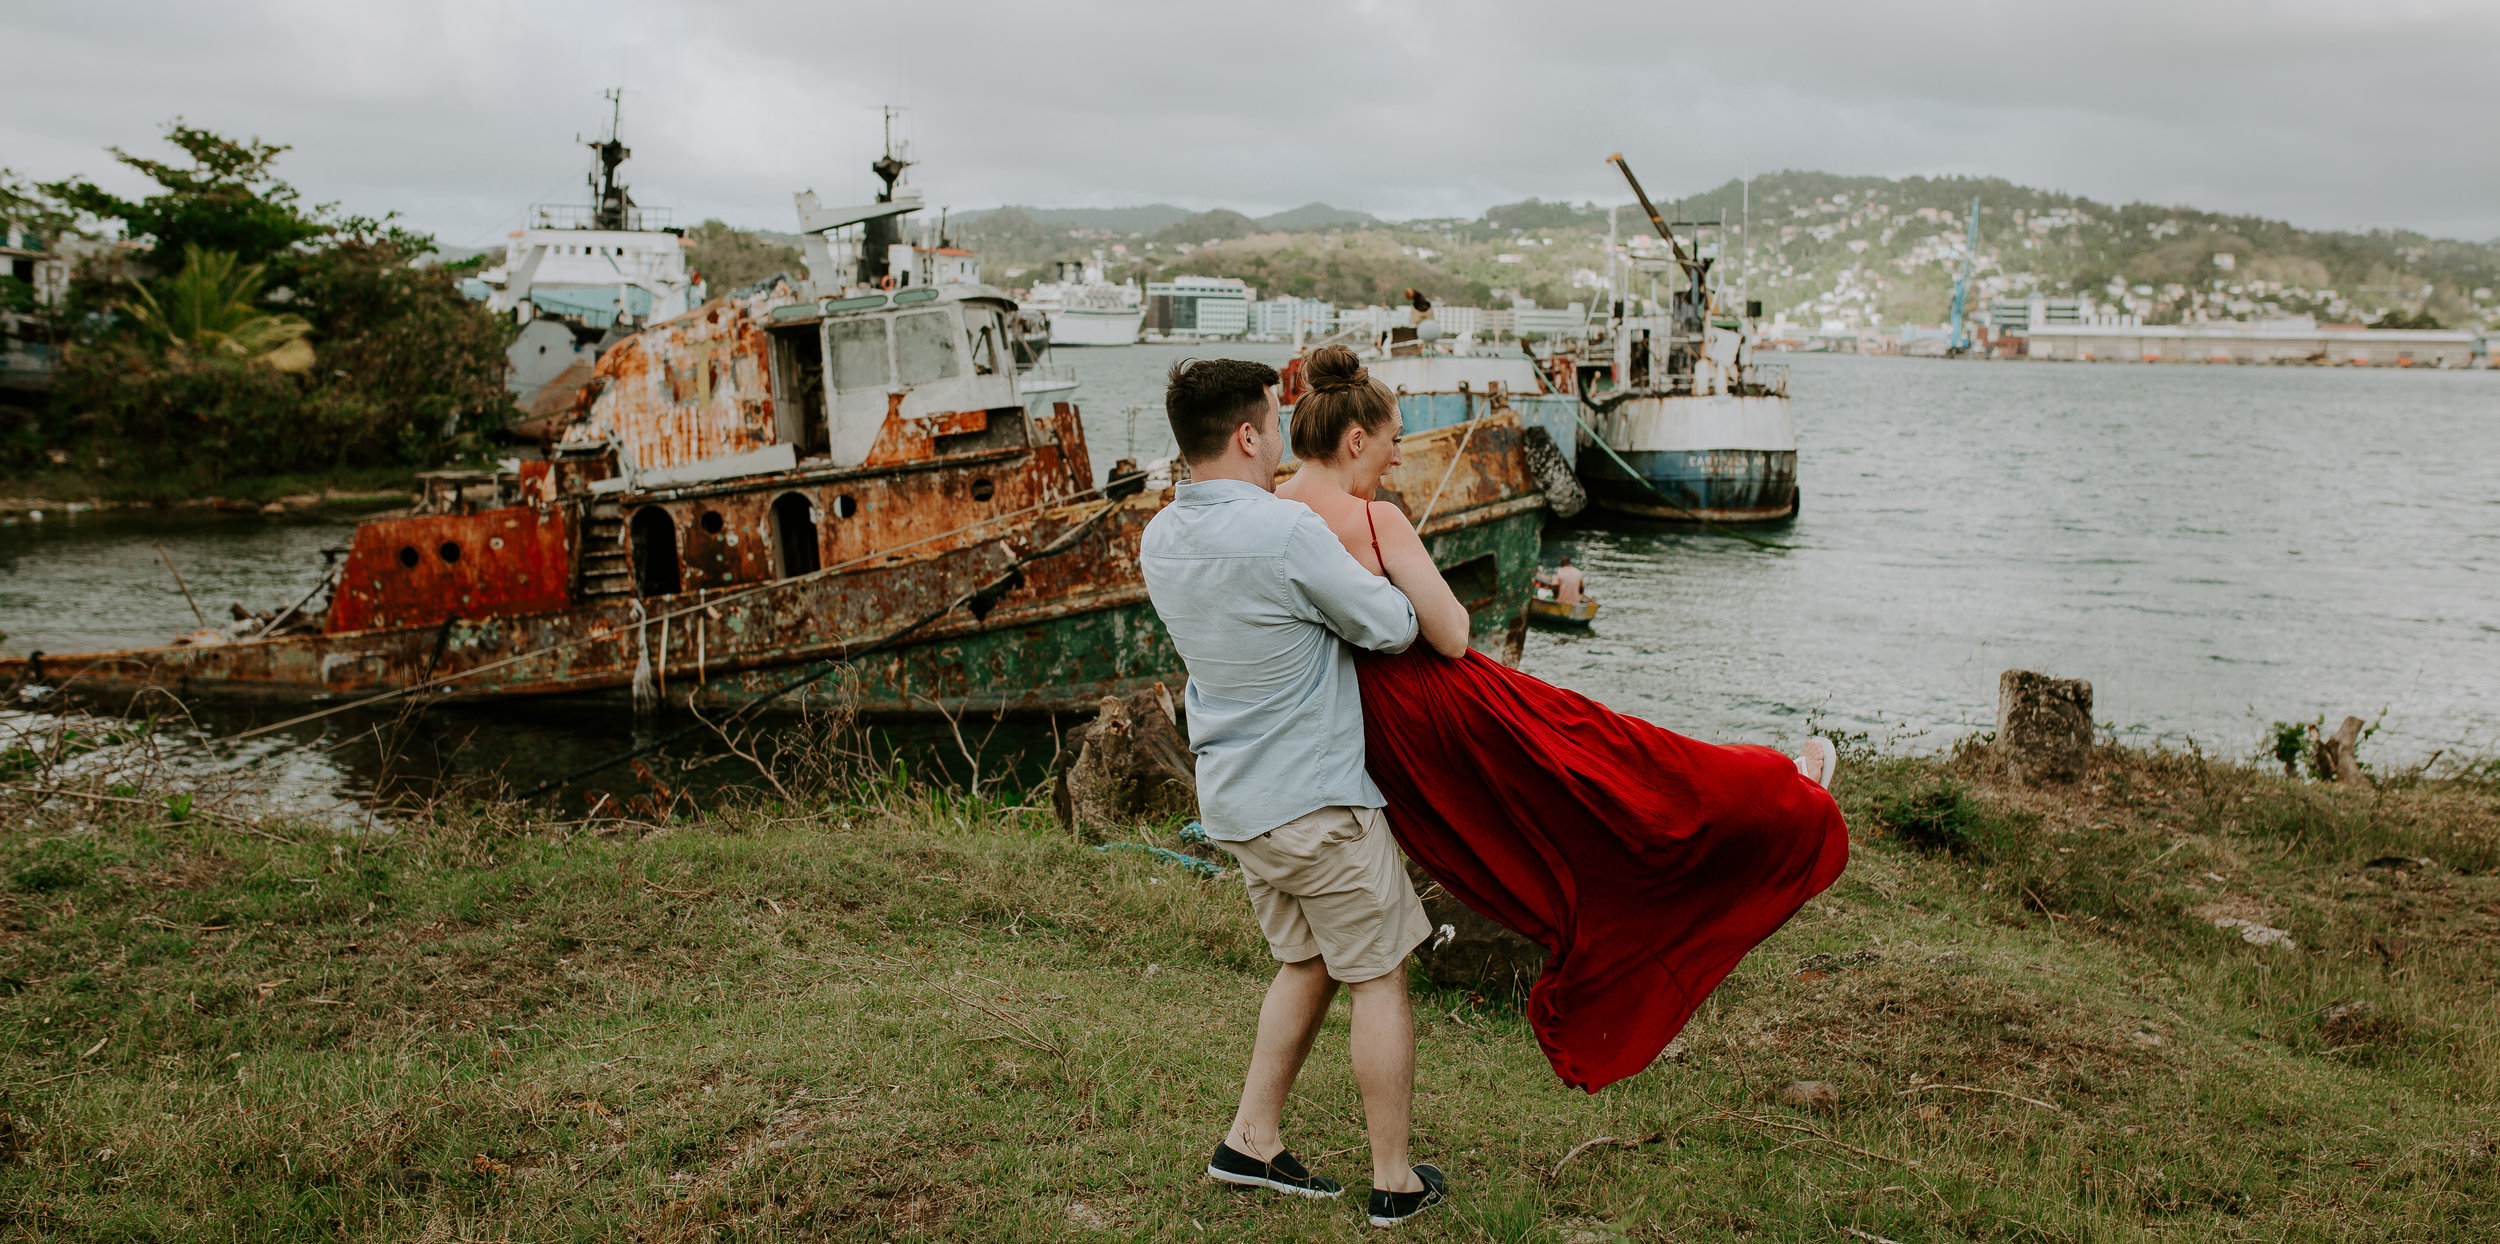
(419, 571)
(695, 388)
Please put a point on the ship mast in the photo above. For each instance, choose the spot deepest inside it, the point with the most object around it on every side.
(611, 206)
(882, 232)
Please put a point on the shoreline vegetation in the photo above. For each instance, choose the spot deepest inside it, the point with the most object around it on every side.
(2183, 997)
(289, 492)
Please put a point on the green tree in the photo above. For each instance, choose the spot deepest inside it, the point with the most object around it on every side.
(227, 199)
(210, 308)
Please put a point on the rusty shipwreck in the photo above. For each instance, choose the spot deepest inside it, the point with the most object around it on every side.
(802, 471)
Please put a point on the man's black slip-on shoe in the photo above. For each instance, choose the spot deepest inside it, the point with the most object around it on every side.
(1391, 1208)
(1284, 1174)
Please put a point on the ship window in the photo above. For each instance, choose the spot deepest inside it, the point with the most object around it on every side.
(924, 347)
(986, 334)
(712, 522)
(799, 389)
(408, 556)
(450, 552)
(858, 354)
(655, 551)
(794, 534)
(845, 505)
(983, 490)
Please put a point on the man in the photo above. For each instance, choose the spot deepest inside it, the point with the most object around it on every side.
(1262, 602)
(1569, 585)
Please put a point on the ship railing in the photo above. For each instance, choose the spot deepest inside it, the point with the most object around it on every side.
(584, 216)
(1047, 376)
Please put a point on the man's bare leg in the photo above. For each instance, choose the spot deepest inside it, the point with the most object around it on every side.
(1289, 1021)
(1384, 1067)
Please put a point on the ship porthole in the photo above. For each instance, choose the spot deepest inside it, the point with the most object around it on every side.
(844, 506)
(983, 490)
(711, 522)
(450, 552)
(408, 556)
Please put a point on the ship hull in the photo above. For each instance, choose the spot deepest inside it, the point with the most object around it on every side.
(1095, 328)
(1076, 627)
(1720, 459)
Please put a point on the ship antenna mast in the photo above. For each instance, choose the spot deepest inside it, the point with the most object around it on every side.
(611, 205)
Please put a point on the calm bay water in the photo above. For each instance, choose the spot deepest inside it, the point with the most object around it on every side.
(2214, 548)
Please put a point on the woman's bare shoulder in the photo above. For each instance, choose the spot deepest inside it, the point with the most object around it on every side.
(1389, 516)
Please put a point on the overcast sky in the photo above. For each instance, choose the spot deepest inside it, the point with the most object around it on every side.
(458, 113)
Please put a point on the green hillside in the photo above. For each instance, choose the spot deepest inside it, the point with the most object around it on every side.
(1868, 250)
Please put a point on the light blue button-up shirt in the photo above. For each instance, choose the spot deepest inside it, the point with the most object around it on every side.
(1262, 601)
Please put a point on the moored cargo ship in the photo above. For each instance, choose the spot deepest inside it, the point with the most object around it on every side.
(1689, 427)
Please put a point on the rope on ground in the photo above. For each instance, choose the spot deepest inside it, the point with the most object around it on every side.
(1204, 868)
(1656, 491)
(979, 598)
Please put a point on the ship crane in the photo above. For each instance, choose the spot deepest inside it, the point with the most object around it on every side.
(1959, 343)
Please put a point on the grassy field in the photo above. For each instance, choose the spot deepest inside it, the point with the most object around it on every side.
(898, 1012)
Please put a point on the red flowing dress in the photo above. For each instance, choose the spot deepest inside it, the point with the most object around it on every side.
(1646, 863)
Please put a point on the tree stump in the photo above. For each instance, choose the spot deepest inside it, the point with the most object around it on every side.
(1132, 762)
(2337, 756)
(1479, 953)
(2044, 726)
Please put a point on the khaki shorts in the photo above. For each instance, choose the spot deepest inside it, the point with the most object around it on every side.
(1333, 884)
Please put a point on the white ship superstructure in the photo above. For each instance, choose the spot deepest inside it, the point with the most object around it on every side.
(580, 277)
(1085, 309)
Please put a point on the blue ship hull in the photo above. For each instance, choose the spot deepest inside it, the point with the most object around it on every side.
(1719, 485)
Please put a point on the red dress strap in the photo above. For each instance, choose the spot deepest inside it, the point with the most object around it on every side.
(1375, 526)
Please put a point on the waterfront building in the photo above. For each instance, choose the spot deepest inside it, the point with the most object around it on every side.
(2017, 315)
(26, 337)
(2290, 340)
(1198, 306)
(1283, 317)
(1530, 320)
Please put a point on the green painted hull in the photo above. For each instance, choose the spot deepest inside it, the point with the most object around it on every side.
(1068, 663)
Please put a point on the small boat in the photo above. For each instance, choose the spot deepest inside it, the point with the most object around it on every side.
(1545, 611)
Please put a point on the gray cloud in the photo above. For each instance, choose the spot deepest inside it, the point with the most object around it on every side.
(459, 114)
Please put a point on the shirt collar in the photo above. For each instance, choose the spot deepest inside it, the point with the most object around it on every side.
(1211, 491)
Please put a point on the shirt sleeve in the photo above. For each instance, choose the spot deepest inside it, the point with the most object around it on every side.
(1331, 588)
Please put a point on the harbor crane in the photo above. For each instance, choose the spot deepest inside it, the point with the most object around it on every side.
(1960, 342)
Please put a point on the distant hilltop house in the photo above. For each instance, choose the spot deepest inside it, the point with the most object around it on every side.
(38, 281)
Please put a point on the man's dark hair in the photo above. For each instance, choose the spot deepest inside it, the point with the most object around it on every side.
(1208, 398)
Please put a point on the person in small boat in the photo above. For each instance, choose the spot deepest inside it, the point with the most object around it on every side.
(1646, 863)
(1570, 586)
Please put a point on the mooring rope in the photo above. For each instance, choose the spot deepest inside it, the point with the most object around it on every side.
(997, 586)
(699, 607)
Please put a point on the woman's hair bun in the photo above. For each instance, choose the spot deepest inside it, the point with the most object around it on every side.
(1334, 367)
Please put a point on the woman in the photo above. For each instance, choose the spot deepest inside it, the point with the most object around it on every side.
(1646, 863)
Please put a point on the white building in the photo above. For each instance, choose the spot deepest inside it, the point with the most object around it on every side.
(1199, 306)
(1282, 317)
(1534, 321)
